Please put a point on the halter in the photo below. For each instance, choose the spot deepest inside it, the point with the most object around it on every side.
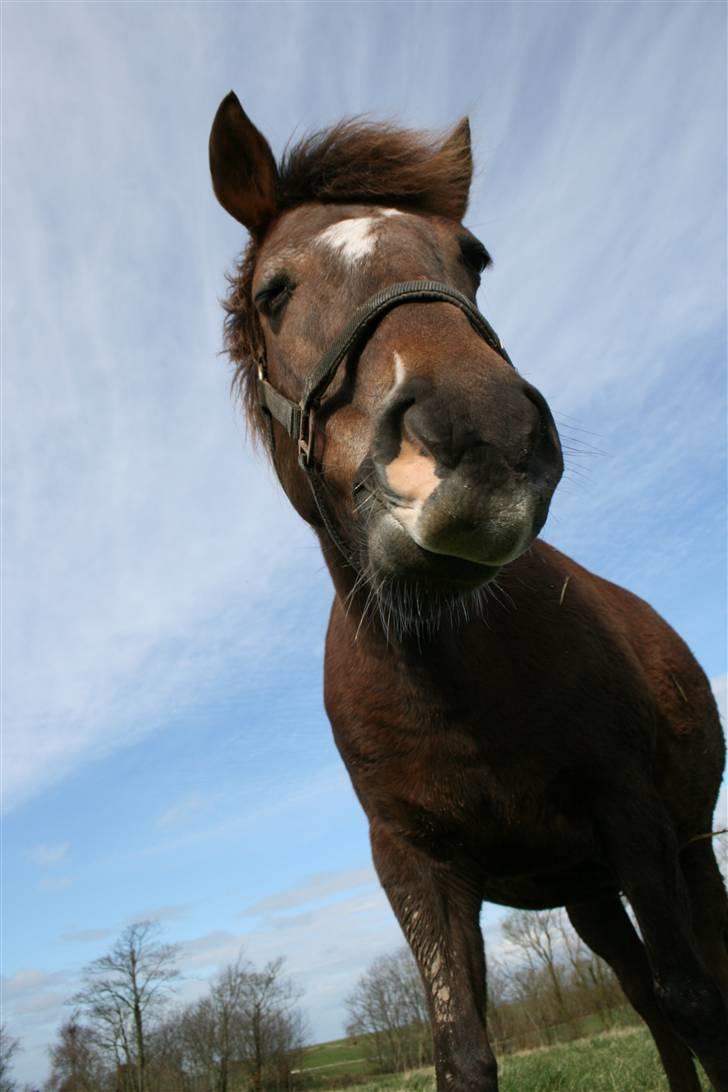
(299, 418)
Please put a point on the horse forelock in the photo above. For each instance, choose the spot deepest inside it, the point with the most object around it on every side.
(355, 161)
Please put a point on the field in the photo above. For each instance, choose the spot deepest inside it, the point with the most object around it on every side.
(344, 1057)
(621, 1061)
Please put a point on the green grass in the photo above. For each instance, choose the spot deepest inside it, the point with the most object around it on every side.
(624, 1061)
(343, 1056)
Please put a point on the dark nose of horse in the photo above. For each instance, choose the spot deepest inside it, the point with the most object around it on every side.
(512, 430)
(469, 473)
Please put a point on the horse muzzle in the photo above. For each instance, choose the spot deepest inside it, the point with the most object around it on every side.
(471, 490)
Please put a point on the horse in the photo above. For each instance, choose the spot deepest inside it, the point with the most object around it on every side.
(565, 751)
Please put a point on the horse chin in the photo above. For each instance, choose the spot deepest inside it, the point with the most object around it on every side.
(395, 555)
(415, 590)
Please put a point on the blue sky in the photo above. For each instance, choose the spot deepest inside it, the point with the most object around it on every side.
(165, 750)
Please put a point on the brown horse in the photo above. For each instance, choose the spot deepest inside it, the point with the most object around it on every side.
(558, 752)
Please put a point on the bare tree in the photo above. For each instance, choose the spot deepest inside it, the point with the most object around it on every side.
(211, 1028)
(76, 1060)
(226, 999)
(270, 1029)
(9, 1047)
(166, 1070)
(124, 991)
(536, 933)
(198, 1033)
(551, 978)
(247, 1025)
(388, 1005)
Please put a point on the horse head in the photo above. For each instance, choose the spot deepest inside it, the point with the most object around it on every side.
(435, 461)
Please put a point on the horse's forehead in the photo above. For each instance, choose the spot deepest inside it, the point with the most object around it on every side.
(352, 239)
(350, 233)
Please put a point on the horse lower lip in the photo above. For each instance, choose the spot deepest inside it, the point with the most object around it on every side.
(451, 568)
(479, 543)
(476, 563)
(475, 552)
(394, 550)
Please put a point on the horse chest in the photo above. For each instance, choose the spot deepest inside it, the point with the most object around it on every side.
(451, 791)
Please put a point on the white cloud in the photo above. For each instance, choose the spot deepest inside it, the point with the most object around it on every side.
(326, 949)
(184, 809)
(26, 981)
(159, 914)
(136, 519)
(53, 884)
(46, 856)
(86, 936)
(36, 1000)
(147, 549)
(314, 889)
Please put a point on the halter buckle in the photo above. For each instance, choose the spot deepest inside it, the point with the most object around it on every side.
(305, 437)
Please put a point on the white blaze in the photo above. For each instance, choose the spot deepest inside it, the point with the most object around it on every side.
(354, 239)
(399, 373)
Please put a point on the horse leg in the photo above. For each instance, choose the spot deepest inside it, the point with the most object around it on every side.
(709, 904)
(439, 912)
(643, 851)
(606, 928)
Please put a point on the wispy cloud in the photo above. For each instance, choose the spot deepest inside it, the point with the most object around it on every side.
(37, 997)
(53, 884)
(181, 811)
(270, 802)
(128, 522)
(159, 914)
(137, 519)
(326, 949)
(48, 855)
(86, 936)
(314, 889)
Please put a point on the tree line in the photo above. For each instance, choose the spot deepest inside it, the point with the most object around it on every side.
(247, 1034)
(540, 988)
(126, 1034)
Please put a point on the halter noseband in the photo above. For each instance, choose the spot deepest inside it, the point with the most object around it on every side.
(298, 418)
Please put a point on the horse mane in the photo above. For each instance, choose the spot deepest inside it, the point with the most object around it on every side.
(355, 161)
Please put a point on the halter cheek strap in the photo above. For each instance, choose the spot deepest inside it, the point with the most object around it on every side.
(299, 418)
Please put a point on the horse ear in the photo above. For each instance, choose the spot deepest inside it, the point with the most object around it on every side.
(244, 172)
(457, 147)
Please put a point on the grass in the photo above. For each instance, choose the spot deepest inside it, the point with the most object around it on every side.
(341, 1057)
(619, 1061)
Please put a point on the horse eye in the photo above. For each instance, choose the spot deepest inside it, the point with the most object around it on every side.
(271, 299)
(475, 256)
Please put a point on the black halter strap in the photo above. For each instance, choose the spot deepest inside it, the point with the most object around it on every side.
(298, 418)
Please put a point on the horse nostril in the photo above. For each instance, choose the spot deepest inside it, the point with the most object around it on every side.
(388, 437)
(423, 445)
(431, 432)
(544, 440)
